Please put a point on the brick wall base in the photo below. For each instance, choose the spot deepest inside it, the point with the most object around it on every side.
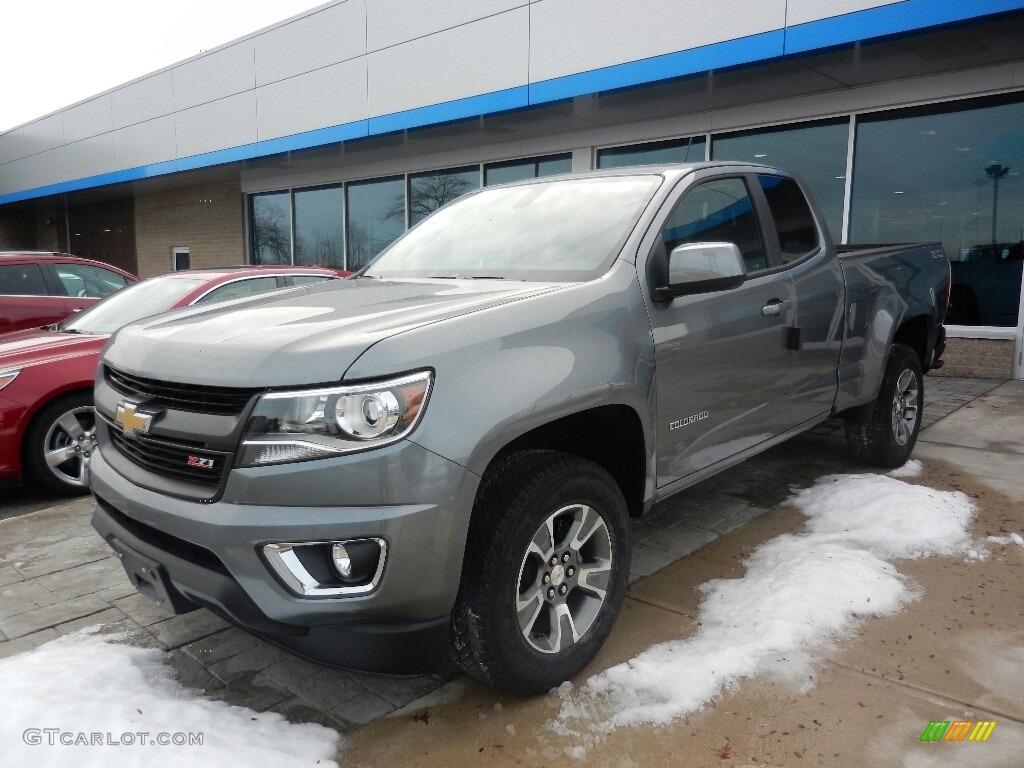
(980, 358)
(210, 220)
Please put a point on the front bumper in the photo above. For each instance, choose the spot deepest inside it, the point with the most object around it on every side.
(209, 554)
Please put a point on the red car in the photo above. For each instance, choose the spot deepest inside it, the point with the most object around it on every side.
(47, 374)
(41, 288)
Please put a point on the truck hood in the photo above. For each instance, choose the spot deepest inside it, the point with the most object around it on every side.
(304, 336)
(36, 346)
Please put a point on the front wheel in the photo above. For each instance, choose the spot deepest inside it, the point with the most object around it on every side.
(59, 443)
(884, 433)
(544, 573)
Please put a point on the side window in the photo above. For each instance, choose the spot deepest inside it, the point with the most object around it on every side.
(792, 215)
(82, 280)
(717, 211)
(22, 280)
(307, 279)
(240, 288)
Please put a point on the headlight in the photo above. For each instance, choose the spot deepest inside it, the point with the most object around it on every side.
(314, 423)
(6, 377)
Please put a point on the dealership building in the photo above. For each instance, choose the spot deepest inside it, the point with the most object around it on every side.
(322, 138)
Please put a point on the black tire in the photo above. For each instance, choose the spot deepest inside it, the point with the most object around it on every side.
(874, 433)
(46, 435)
(516, 499)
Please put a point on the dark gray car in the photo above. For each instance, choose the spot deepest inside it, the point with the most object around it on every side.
(440, 456)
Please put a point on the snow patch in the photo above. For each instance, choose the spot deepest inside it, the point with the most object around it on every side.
(800, 591)
(912, 468)
(85, 684)
(1013, 538)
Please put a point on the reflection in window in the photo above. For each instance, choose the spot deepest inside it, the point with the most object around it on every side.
(717, 211)
(953, 176)
(526, 168)
(376, 217)
(319, 231)
(271, 228)
(240, 288)
(794, 223)
(429, 191)
(689, 150)
(816, 152)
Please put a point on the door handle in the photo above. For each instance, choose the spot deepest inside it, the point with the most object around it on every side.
(774, 307)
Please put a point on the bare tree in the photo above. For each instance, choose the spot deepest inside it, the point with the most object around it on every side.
(271, 234)
(427, 194)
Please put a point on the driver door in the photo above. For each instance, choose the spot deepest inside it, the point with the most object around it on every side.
(721, 358)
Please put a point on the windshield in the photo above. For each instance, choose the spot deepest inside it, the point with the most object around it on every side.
(564, 230)
(131, 304)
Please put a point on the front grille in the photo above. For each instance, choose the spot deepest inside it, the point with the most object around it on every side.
(179, 461)
(229, 401)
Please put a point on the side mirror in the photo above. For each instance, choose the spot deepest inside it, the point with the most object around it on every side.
(703, 268)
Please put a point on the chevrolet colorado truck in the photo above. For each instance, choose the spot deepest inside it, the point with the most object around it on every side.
(440, 457)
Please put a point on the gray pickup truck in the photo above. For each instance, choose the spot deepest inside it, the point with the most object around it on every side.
(439, 458)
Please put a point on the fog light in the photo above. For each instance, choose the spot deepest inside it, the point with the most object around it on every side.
(342, 561)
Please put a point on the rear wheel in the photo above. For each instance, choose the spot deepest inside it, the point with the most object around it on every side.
(60, 442)
(884, 433)
(544, 573)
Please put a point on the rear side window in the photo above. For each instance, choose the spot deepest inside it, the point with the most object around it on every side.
(307, 279)
(792, 215)
(22, 280)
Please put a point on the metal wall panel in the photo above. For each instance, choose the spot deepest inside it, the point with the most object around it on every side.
(229, 122)
(215, 75)
(89, 157)
(482, 57)
(27, 172)
(803, 11)
(90, 118)
(562, 32)
(390, 22)
(33, 138)
(143, 100)
(336, 33)
(144, 143)
(330, 96)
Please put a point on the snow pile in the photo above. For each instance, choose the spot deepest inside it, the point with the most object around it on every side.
(912, 468)
(65, 696)
(799, 592)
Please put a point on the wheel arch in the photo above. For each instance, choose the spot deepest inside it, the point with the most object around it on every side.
(611, 436)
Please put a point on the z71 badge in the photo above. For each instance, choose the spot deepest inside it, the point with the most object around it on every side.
(689, 420)
(199, 462)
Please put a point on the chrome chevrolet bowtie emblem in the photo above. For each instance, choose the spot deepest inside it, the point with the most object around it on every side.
(132, 421)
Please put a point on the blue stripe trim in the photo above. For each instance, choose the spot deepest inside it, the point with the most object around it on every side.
(471, 106)
(899, 17)
(729, 53)
(904, 16)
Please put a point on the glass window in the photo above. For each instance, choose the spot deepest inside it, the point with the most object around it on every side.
(689, 150)
(307, 279)
(558, 230)
(82, 280)
(952, 175)
(526, 168)
(717, 211)
(270, 224)
(22, 280)
(319, 230)
(816, 152)
(138, 300)
(429, 191)
(794, 223)
(240, 288)
(376, 216)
